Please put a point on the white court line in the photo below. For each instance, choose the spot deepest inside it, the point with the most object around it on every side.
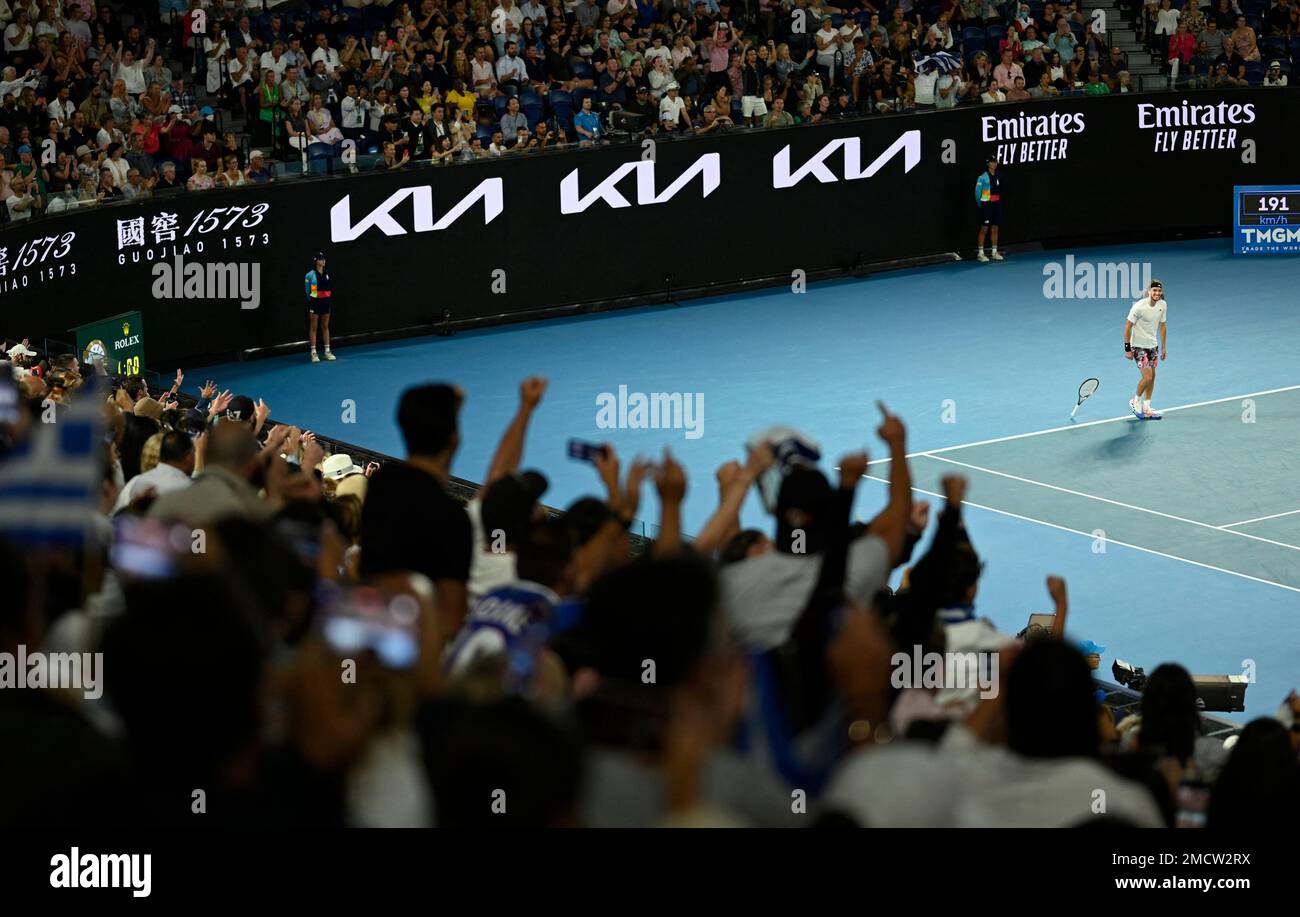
(1135, 547)
(1140, 509)
(1290, 512)
(1091, 423)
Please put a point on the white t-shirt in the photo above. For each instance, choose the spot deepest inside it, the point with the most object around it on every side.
(1147, 319)
(14, 202)
(925, 83)
(487, 569)
(763, 596)
(670, 109)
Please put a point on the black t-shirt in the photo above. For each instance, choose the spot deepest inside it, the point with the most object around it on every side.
(409, 522)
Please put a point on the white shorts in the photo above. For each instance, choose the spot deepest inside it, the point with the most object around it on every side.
(752, 106)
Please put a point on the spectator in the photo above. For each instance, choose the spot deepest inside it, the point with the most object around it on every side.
(1018, 92)
(1243, 41)
(409, 522)
(778, 116)
(1006, 72)
(1275, 78)
(21, 203)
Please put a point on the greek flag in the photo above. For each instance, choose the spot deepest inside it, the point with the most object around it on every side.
(50, 484)
(941, 61)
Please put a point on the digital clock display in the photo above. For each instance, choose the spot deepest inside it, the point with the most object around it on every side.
(1266, 220)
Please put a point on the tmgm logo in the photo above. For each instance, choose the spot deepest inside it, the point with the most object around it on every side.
(342, 229)
(783, 176)
(708, 167)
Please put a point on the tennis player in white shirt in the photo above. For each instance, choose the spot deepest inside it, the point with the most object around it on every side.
(1145, 320)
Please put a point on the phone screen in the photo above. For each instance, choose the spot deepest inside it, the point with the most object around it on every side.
(583, 451)
(1193, 804)
(143, 548)
(357, 619)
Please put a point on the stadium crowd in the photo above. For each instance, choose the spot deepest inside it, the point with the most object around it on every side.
(289, 639)
(114, 101)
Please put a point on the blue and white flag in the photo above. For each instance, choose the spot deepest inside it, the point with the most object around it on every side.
(50, 485)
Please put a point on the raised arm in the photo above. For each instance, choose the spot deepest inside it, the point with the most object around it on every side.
(510, 449)
(733, 483)
(670, 481)
(891, 525)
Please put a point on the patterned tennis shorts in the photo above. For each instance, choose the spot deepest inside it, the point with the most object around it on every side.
(1146, 356)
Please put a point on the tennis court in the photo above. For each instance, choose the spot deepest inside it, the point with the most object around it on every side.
(1211, 485)
(1197, 513)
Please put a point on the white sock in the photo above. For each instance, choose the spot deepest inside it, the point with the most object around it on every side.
(327, 348)
(313, 350)
(995, 249)
(1147, 405)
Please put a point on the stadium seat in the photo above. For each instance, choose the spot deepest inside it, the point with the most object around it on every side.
(509, 89)
(837, 20)
(500, 103)
(994, 34)
(583, 71)
(1274, 49)
(534, 113)
(1254, 73)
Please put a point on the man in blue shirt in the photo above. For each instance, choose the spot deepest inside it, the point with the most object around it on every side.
(587, 123)
(505, 635)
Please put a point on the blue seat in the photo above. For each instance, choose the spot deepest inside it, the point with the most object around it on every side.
(500, 103)
(1273, 49)
(971, 45)
(484, 132)
(837, 20)
(994, 34)
(534, 113)
(560, 97)
(1254, 73)
(583, 71)
(509, 89)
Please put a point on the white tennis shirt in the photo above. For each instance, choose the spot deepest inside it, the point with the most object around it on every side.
(1147, 317)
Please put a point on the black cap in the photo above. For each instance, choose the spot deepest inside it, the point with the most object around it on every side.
(240, 409)
(803, 489)
(320, 256)
(585, 517)
(510, 502)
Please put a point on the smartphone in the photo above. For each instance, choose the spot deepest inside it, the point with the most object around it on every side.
(143, 548)
(584, 451)
(360, 618)
(9, 403)
(1193, 804)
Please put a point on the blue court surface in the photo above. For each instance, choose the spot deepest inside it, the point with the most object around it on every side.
(1179, 538)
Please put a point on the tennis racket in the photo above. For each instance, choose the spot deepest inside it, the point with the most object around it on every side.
(1085, 392)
